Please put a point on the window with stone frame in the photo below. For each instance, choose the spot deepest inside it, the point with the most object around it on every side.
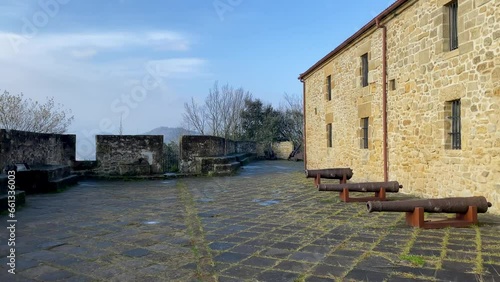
(453, 24)
(453, 124)
(364, 132)
(450, 27)
(329, 135)
(364, 70)
(329, 88)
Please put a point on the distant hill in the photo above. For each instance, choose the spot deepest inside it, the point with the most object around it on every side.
(171, 133)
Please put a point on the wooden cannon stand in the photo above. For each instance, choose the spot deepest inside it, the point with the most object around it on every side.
(317, 180)
(379, 196)
(416, 219)
(344, 195)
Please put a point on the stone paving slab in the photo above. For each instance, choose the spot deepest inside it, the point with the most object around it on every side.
(266, 224)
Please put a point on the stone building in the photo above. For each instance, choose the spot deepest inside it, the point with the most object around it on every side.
(413, 96)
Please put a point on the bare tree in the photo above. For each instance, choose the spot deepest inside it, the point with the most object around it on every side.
(239, 97)
(221, 113)
(195, 116)
(293, 124)
(232, 103)
(213, 105)
(19, 113)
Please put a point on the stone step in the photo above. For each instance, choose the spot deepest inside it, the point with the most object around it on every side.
(43, 181)
(64, 182)
(220, 160)
(53, 171)
(226, 168)
(247, 159)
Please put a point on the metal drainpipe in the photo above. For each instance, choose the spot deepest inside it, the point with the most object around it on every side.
(384, 95)
(304, 127)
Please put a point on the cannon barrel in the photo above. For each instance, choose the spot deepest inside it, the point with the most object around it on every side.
(330, 173)
(391, 186)
(446, 205)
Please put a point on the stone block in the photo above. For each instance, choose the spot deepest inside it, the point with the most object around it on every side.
(364, 110)
(134, 169)
(117, 153)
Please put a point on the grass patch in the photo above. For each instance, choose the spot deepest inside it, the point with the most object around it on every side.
(327, 201)
(479, 257)
(416, 260)
(199, 247)
(411, 241)
(444, 247)
(301, 278)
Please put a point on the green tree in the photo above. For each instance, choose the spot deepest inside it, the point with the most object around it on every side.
(171, 157)
(262, 123)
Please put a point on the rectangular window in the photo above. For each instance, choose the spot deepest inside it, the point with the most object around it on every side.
(453, 19)
(456, 139)
(392, 84)
(329, 135)
(364, 70)
(329, 88)
(364, 133)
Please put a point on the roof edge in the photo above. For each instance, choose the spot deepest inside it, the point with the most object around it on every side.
(349, 40)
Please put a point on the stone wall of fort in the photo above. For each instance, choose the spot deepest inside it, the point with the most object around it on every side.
(424, 77)
(129, 154)
(36, 148)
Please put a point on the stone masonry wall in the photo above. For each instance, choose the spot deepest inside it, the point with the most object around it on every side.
(112, 151)
(350, 102)
(246, 147)
(205, 146)
(36, 148)
(423, 77)
(195, 147)
(282, 150)
(427, 77)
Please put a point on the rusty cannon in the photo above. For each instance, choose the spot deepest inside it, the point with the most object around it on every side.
(342, 174)
(379, 188)
(465, 208)
(391, 186)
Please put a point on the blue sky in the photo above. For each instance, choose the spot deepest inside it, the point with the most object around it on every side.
(143, 60)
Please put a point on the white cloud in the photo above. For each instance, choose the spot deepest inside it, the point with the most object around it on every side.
(168, 41)
(84, 53)
(12, 44)
(168, 67)
(88, 72)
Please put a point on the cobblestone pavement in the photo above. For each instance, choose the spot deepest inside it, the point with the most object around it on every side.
(266, 224)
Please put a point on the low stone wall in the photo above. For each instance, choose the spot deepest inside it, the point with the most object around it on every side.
(36, 148)
(205, 146)
(83, 165)
(282, 150)
(196, 147)
(246, 147)
(128, 154)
